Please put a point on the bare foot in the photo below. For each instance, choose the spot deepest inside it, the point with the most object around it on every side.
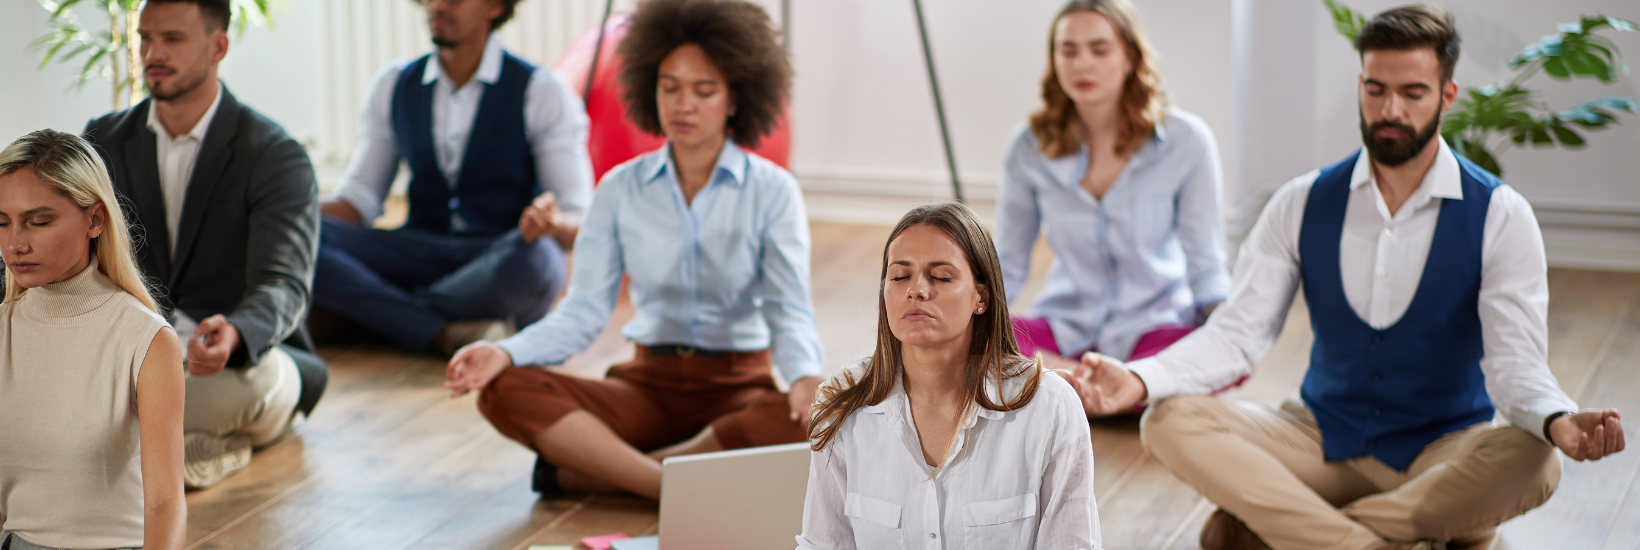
(572, 480)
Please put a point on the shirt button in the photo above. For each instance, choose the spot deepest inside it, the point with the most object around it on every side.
(455, 203)
(932, 536)
(1370, 445)
(1377, 376)
(1376, 338)
(1378, 412)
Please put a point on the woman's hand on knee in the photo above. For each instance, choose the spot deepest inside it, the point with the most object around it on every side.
(474, 366)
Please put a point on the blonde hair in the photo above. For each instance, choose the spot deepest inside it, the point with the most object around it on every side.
(67, 162)
(1142, 104)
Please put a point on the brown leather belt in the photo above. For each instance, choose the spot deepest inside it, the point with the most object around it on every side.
(681, 350)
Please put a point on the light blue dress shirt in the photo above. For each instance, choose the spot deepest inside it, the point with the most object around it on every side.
(1149, 254)
(729, 271)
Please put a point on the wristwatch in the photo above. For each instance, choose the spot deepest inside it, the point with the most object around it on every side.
(1551, 420)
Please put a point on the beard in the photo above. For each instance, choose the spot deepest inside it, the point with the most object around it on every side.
(178, 86)
(444, 43)
(1397, 150)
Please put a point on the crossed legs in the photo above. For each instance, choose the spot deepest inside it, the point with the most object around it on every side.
(1266, 468)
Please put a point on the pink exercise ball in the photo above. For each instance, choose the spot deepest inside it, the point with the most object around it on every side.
(612, 139)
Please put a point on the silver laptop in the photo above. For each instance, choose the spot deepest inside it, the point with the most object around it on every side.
(746, 499)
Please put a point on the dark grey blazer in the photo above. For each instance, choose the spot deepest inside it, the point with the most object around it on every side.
(249, 233)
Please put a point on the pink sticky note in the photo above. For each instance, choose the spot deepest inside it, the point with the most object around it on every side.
(602, 542)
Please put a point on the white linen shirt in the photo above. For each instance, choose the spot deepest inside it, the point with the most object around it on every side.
(553, 120)
(1381, 260)
(177, 157)
(1013, 479)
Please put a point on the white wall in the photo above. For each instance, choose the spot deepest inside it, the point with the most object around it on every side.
(1270, 77)
(863, 115)
(1588, 201)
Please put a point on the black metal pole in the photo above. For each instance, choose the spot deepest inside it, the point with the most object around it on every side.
(786, 25)
(939, 106)
(597, 48)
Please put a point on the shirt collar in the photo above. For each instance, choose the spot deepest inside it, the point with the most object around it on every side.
(1442, 181)
(731, 160)
(489, 67)
(200, 128)
(897, 400)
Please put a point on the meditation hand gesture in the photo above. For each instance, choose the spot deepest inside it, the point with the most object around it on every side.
(1588, 434)
(541, 218)
(1106, 386)
(474, 366)
(213, 342)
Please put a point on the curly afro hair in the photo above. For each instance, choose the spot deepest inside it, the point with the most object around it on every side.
(736, 36)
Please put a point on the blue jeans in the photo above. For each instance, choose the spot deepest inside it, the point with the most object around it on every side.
(406, 284)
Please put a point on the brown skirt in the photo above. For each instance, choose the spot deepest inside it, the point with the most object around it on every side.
(651, 401)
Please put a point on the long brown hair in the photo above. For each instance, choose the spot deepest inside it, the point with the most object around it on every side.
(1143, 102)
(993, 353)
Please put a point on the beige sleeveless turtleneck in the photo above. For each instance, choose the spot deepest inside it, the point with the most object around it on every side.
(70, 461)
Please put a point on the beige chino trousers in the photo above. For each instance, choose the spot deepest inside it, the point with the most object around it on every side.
(1265, 466)
(256, 402)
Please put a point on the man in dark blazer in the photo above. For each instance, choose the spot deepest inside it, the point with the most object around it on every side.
(225, 207)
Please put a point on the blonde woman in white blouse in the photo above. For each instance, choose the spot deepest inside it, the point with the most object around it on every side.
(946, 437)
(91, 387)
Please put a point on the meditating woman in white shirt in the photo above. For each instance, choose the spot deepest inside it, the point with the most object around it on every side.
(947, 437)
(90, 374)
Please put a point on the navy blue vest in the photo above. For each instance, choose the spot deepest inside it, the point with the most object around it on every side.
(497, 177)
(1390, 393)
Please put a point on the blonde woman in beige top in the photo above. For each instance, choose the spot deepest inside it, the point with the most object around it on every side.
(91, 385)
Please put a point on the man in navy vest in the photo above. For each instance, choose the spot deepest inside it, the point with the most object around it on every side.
(1425, 281)
(499, 177)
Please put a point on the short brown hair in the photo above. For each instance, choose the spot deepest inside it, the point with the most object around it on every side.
(1143, 104)
(217, 13)
(1413, 27)
(738, 39)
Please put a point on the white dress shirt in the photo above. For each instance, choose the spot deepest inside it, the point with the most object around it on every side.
(177, 157)
(554, 122)
(1017, 479)
(1381, 261)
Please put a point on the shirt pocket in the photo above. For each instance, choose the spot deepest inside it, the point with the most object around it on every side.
(1003, 523)
(876, 522)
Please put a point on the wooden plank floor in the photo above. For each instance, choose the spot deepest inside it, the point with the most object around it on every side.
(389, 462)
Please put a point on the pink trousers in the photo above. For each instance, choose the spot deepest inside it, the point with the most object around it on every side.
(1034, 335)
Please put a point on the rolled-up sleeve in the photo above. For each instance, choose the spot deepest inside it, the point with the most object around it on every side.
(784, 288)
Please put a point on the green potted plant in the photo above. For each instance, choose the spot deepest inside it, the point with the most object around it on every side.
(1488, 120)
(114, 52)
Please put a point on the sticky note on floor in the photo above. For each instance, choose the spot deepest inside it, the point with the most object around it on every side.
(639, 543)
(602, 542)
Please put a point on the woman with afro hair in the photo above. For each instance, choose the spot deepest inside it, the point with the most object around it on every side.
(715, 242)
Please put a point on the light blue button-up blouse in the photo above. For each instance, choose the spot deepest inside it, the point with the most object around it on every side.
(1149, 254)
(729, 271)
